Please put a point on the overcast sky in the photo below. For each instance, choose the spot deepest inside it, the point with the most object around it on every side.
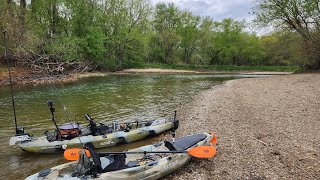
(217, 9)
(221, 9)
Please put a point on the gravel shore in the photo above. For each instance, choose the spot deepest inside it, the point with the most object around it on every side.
(268, 128)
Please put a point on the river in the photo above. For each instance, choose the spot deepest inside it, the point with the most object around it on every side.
(109, 98)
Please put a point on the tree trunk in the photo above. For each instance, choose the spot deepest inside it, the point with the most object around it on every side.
(22, 17)
(9, 8)
(54, 18)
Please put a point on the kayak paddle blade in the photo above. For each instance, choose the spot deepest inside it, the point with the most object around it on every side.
(73, 154)
(202, 152)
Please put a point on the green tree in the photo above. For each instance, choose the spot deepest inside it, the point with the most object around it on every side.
(125, 26)
(165, 41)
(227, 40)
(207, 53)
(282, 48)
(301, 16)
(189, 35)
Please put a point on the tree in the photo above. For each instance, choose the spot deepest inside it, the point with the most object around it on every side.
(302, 16)
(189, 33)
(166, 21)
(125, 25)
(227, 40)
(206, 48)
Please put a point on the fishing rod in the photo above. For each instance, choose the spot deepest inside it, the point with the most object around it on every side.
(59, 99)
(10, 80)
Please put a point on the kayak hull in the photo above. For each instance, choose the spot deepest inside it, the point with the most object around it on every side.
(42, 145)
(153, 169)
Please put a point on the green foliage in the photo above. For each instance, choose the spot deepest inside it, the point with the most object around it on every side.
(66, 48)
(190, 36)
(117, 34)
(166, 38)
(300, 16)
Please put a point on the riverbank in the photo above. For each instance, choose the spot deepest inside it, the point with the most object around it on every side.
(158, 70)
(268, 128)
(22, 76)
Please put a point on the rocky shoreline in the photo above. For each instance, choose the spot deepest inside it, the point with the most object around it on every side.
(268, 128)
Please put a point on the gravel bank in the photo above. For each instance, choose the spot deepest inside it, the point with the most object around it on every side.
(175, 71)
(267, 128)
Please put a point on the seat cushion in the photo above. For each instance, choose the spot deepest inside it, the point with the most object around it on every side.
(184, 143)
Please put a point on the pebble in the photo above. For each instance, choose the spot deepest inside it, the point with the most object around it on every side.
(272, 110)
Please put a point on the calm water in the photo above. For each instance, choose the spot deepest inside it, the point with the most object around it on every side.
(114, 97)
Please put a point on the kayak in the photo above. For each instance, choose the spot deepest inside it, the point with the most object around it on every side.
(146, 162)
(93, 136)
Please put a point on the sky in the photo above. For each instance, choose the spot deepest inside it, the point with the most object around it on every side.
(221, 9)
(217, 9)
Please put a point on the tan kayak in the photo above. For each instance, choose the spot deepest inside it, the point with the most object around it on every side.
(105, 135)
(147, 162)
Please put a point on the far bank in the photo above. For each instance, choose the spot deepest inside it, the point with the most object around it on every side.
(23, 75)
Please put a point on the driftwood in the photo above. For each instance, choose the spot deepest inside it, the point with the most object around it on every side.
(46, 64)
(49, 64)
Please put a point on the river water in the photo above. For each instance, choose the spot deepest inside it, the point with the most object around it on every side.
(109, 98)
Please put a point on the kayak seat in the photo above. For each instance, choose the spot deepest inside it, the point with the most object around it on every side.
(103, 129)
(184, 142)
(105, 161)
(97, 130)
(51, 135)
(118, 163)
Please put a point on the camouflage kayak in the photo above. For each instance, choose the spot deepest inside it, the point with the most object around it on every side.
(139, 163)
(105, 135)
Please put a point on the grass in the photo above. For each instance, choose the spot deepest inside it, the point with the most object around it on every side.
(218, 67)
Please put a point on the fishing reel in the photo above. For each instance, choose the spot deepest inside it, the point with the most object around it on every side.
(20, 131)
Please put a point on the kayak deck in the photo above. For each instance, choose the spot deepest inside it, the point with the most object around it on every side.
(131, 166)
(42, 145)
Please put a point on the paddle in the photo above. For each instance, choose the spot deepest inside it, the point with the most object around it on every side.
(199, 152)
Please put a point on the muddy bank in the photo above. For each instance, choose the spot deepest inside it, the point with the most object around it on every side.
(268, 128)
